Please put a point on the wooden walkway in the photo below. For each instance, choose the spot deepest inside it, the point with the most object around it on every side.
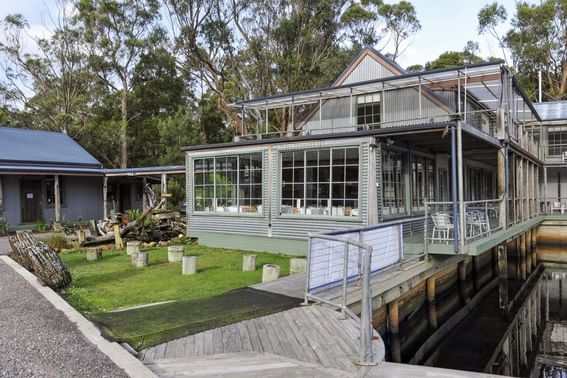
(311, 334)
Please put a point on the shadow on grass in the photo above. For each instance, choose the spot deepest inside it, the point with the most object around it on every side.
(153, 325)
(94, 280)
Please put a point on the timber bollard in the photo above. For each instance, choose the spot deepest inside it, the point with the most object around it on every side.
(189, 265)
(249, 263)
(132, 247)
(140, 259)
(175, 253)
(118, 243)
(297, 265)
(94, 254)
(270, 272)
(81, 236)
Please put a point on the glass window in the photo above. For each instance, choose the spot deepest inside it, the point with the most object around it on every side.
(393, 185)
(228, 184)
(50, 191)
(557, 141)
(368, 110)
(423, 182)
(320, 182)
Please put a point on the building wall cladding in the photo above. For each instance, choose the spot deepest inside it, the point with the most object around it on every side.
(82, 198)
(295, 227)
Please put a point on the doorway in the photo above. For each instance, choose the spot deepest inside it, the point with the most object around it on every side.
(31, 201)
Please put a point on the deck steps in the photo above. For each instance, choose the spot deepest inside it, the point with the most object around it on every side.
(244, 364)
(311, 334)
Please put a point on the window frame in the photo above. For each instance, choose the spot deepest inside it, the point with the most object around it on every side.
(62, 192)
(238, 155)
(330, 217)
(404, 182)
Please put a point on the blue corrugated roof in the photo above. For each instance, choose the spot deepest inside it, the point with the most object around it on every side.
(26, 146)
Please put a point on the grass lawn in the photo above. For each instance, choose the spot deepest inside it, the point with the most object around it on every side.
(113, 282)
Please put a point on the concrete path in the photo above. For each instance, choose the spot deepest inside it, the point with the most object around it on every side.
(4, 246)
(37, 340)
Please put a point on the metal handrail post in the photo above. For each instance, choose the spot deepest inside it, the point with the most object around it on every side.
(425, 247)
(345, 279)
(367, 356)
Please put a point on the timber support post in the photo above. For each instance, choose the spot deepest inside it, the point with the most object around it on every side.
(105, 197)
(476, 273)
(522, 248)
(462, 272)
(57, 199)
(534, 247)
(431, 305)
(502, 278)
(528, 247)
(394, 328)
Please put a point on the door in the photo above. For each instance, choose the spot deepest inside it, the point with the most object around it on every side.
(31, 201)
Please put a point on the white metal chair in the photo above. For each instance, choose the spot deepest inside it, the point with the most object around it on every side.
(557, 206)
(442, 227)
(477, 223)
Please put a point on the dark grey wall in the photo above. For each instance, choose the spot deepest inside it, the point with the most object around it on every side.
(83, 198)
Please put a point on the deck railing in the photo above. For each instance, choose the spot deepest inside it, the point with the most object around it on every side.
(481, 218)
(347, 258)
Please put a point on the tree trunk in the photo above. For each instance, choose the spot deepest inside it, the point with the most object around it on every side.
(124, 129)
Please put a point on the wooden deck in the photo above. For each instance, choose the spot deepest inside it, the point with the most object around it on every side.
(311, 334)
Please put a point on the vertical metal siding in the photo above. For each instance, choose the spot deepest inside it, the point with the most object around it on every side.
(403, 105)
(368, 69)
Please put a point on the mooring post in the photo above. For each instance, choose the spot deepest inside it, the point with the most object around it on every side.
(476, 273)
(494, 262)
(431, 305)
(462, 269)
(502, 278)
(394, 327)
(522, 247)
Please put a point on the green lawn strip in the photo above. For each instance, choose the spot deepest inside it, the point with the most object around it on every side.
(113, 282)
(149, 326)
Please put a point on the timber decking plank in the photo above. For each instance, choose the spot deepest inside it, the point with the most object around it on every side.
(307, 353)
(244, 336)
(160, 351)
(190, 346)
(208, 348)
(254, 338)
(263, 335)
(199, 344)
(338, 360)
(218, 345)
(336, 326)
(287, 343)
(266, 321)
(175, 348)
(231, 339)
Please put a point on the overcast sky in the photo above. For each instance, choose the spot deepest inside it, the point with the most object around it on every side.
(446, 25)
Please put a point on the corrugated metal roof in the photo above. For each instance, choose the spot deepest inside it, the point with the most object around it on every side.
(36, 147)
(552, 110)
(44, 169)
(144, 170)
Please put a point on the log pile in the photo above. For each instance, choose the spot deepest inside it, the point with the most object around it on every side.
(39, 258)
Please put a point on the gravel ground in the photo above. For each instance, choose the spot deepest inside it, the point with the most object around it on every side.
(37, 340)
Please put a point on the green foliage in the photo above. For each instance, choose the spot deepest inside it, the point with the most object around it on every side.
(42, 225)
(57, 242)
(113, 282)
(453, 59)
(4, 226)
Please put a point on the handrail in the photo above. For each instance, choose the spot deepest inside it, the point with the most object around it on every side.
(366, 353)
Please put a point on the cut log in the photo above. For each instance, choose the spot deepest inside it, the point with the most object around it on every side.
(175, 253)
(140, 259)
(94, 254)
(270, 272)
(189, 265)
(249, 263)
(297, 265)
(118, 243)
(132, 247)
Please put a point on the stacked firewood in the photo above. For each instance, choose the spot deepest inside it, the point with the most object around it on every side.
(39, 258)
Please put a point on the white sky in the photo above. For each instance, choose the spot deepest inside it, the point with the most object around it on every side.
(446, 25)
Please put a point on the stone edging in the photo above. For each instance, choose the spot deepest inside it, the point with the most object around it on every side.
(122, 358)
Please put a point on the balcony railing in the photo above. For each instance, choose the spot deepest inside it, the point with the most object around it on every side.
(481, 218)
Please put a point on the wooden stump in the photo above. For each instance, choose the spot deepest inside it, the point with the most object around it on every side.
(118, 243)
(297, 266)
(175, 253)
(82, 236)
(133, 247)
(249, 263)
(140, 259)
(94, 254)
(270, 272)
(189, 265)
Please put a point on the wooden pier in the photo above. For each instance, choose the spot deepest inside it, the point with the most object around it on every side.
(311, 334)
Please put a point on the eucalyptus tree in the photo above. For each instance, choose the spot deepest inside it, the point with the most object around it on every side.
(536, 42)
(47, 84)
(117, 34)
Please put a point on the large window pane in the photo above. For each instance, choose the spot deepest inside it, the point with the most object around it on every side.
(393, 185)
(324, 182)
(228, 184)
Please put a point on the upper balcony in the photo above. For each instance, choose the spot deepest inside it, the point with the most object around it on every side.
(485, 97)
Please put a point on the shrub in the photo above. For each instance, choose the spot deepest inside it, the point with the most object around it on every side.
(57, 242)
(42, 225)
(4, 226)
